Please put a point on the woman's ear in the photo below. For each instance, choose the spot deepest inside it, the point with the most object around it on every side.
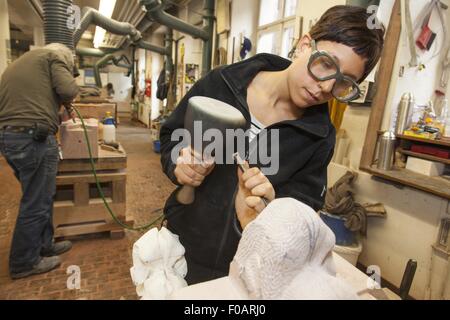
(304, 43)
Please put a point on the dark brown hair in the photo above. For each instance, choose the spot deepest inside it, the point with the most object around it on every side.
(348, 25)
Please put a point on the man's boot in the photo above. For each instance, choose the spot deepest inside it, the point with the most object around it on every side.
(44, 265)
(57, 249)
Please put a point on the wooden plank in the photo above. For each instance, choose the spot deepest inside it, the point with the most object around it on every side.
(435, 185)
(441, 142)
(88, 229)
(64, 216)
(383, 82)
(66, 213)
(119, 191)
(424, 156)
(86, 166)
(116, 234)
(81, 193)
(96, 110)
(70, 178)
(107, 160)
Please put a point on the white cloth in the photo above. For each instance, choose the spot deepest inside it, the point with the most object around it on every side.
(159, 266)
(286, 253)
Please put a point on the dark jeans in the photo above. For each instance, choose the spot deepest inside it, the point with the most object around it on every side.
(35, 165)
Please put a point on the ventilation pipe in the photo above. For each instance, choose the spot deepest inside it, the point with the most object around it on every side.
(92, 16)
(56, 16)
(103, 61)
(168, 39)
(92, 52)
(155, 11)
(151, 47)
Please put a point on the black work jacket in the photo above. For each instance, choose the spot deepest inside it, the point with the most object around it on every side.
(207, 227)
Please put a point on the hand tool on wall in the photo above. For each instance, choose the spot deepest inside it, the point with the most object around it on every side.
(427, 36)
(211, 114)
(443, 81)
(410, 33)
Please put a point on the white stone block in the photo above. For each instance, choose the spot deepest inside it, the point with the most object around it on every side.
(425, 167)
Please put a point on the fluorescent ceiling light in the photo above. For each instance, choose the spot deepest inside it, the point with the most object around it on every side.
(106, 8)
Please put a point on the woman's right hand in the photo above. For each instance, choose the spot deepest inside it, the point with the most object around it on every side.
(190, 169)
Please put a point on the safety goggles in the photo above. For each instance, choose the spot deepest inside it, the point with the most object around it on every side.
(323, 67)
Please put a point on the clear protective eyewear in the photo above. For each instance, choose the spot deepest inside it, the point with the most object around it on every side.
(323, 67)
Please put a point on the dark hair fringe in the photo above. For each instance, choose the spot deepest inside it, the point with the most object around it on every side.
(348, 25)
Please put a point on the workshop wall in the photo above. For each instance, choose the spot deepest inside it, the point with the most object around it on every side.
(413, 216)
(244, 23)
(122, 86)
(193, 47)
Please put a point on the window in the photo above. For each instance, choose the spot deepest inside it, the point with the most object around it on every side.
(290, 7)
(288, 37)
(269, 11)
(277, 26)
(266, 42)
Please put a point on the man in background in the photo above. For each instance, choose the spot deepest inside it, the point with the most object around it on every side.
(32, 90)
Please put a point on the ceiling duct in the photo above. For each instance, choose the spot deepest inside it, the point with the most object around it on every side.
(56, 17)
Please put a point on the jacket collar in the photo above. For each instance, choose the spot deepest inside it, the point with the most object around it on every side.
(315, 120)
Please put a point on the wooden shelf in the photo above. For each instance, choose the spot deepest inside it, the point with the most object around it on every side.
(424, 156)
(441, 142)
(436, 185)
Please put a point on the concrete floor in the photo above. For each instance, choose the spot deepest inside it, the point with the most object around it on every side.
(104, 263)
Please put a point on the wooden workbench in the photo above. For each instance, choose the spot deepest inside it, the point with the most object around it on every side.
(78, 207)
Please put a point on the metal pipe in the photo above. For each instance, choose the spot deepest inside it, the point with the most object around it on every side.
(124, 18)
(208, 19)
(91, 15)
(92, 52)
(123, 28)
(144, 24)
(168, 39)
(155, 11)
(133, 65)
(151, 47)
(103, 61)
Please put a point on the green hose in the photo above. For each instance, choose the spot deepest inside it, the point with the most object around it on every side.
(144, 227)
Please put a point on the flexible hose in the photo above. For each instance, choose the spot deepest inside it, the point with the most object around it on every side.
(56, 16)
(100, 190)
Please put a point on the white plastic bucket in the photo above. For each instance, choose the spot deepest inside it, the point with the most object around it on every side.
(349, 253)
